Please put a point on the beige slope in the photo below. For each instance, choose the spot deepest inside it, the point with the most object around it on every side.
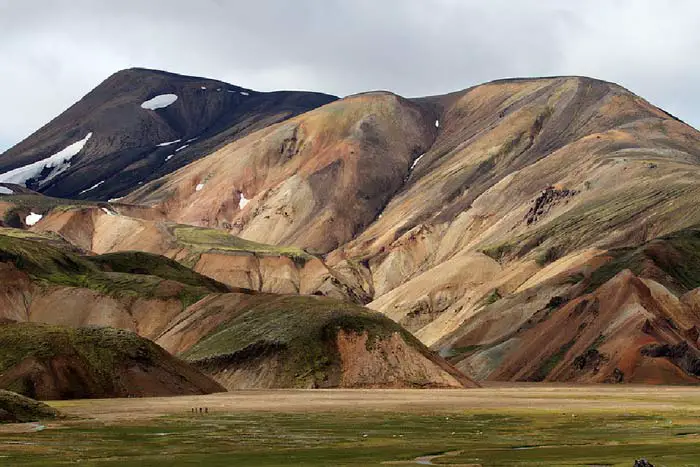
(213, 253)
(526, 168)
(457, 215)
(242, 338)
(314, 181)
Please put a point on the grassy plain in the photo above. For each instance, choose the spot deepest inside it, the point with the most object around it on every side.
(522, 425)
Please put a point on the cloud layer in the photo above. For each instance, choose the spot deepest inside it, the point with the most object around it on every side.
(52, 52)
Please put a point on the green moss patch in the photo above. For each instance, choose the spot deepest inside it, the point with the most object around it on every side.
(301, 331)
(52, 266)
(16, 408)
(673, 260)
(200, 240)
(141, 263)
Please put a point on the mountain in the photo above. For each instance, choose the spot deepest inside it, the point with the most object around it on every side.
(459, 203)
(140, 124)
(525, 229)
(108, 322)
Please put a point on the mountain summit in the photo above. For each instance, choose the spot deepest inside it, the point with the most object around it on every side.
(140, 124)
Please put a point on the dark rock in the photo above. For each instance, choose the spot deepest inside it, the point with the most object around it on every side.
(682, 355)
(549, 198)
(643, 463)
(123, 150)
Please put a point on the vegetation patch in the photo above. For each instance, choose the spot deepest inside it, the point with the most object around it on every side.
(16, 408)
(500, 252)
(673, 260)
(301, 331)
(550, 363)
(44, 204)
(142, 263)
(552, 437)
(201, 239)
(52, 266)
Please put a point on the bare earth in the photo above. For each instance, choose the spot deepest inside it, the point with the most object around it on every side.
(512, 397)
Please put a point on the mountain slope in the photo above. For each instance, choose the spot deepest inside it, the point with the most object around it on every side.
(54, 362)
(627, 315)
(446, 204)
(214, 253)
(315, 181)
(77, 296)
(115, 137)
(307, 342)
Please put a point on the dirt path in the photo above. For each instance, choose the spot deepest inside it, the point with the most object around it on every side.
(525, 397)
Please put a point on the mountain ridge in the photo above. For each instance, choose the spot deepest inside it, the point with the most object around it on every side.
(472, 219)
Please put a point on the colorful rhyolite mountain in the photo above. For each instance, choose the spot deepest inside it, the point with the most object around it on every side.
(529, 229)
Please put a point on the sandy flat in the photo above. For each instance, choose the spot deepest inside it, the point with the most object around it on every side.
(501, 397)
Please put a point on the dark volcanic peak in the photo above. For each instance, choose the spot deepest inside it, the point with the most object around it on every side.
(139, 124)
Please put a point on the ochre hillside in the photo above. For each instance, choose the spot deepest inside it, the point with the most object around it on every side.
(241, 338)
(439, 207)
(526, 229)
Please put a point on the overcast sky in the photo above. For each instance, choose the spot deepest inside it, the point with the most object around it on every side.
(52, 52)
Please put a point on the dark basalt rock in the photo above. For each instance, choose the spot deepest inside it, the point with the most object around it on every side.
(682, 354)
(643, 463)
(123, 150)
(549, 198)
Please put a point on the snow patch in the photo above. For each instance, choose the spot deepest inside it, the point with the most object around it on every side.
(109, 212)
(218, 89)
(114, 200)
(199, 187)
(181, 148)
(92, 187)
(191, 139)
(437, 123)
(243, 93)
(243, 202)
(415, 163)
(203, 88)
(5, 191)
(159, 102)
(168, 143)
(170, 157)
(59, 163)
(32, 219)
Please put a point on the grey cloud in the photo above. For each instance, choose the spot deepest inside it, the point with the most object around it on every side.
(54, 51)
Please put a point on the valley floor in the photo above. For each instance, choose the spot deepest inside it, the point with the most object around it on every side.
(502, 425)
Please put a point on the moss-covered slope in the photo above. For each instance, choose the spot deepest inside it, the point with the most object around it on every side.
(16, 408)
(293, 341)
(55, 362)
(135, 275)
(142, 263)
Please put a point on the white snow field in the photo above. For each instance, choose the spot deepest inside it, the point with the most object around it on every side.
(59, 162)
(159, 102)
